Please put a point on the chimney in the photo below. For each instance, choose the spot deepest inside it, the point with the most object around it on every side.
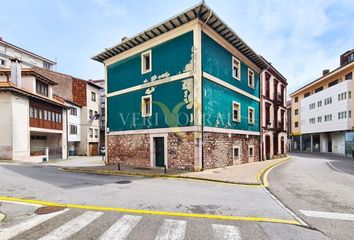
(124, 38)
(16, 72)
(325, 72)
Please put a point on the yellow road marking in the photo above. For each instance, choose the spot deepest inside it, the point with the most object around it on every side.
(265, 171)
(151, 212)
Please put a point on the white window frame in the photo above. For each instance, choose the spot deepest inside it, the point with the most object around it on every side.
(143, 107)
(143, 70)
(248, 78)
(234, 59)
(249, 147)
(251, 121)
(239, 111)
(233, 153)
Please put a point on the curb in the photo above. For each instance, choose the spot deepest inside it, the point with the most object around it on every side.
(122, 173)
(262, 176)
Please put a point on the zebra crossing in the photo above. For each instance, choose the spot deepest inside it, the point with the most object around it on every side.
(122, 227)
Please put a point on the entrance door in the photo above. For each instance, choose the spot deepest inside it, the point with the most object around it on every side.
(93, 149)
(329, 146)
(159, 151)
(267, 143)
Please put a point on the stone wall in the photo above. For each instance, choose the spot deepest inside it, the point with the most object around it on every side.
(181, 150)
(132, 149)
(218, 149)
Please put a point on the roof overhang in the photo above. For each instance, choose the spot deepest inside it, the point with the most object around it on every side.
(201, 12)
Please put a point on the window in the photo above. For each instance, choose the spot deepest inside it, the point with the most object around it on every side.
(31, 113)
(349, 114)
(250, 78)
(349, 95)
(236, 152)
(319, 104)
(73, 129)
(333, 83)
(312, 106)
(251, 151)
(307, 94)
(296, 111)
(328, 101)
(93, 97)
(59, 118)
(318, 89)
(73, 111)
(42, 88)
(251, 115)
(296, 99)
(296, 124)
(236, 68)
(96, 133)
(90, 113)
(2, 62)
(236, 112)
(319, 119)
(312, 120)
(35, 113)
(46, 65)
(349, 76)
(146, 105)
(146, 62)
(328, 118)
(91, 132)
(45, 113)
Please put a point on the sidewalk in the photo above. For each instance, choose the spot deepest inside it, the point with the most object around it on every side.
(77, 161)
(247, 174)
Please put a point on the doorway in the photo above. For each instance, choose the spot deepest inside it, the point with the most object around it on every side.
(159, 144)
(267, 148)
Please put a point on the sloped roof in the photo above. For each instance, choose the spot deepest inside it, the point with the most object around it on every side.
(201, 12)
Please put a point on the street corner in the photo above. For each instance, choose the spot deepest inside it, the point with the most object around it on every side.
(262, 176)
(2, 216)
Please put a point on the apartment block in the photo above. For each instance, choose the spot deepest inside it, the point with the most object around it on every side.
(27, 58)
(321, 111)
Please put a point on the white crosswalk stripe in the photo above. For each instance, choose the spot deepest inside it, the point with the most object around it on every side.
(226, 232)
(121, 229)
(13, 231)
(73, 226)
(172, 230)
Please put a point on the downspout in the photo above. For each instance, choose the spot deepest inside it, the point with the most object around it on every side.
(201, 80)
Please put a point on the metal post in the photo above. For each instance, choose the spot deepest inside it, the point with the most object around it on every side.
(165, 168)
(118, 165)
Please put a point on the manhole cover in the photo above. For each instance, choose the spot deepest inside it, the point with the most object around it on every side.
(123, 182)
(48, 209)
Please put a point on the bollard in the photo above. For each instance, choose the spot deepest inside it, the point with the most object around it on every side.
(165, 168)
(118, 166)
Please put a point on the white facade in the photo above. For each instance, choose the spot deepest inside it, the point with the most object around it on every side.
(28, 59)
(334, 101)
(74, 119)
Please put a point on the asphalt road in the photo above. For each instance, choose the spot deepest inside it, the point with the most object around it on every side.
(319, 189)
(183, 196)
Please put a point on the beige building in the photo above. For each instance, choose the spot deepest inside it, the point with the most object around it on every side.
(321, 111)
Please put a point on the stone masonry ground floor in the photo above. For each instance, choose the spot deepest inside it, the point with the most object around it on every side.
(177, 150)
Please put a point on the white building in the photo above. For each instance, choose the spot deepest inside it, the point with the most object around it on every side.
(32, 122)
(325, 118)
(74, 127)
(28, 59)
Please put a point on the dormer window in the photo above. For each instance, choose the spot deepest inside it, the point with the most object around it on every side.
(42, 88)
(146, 65)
